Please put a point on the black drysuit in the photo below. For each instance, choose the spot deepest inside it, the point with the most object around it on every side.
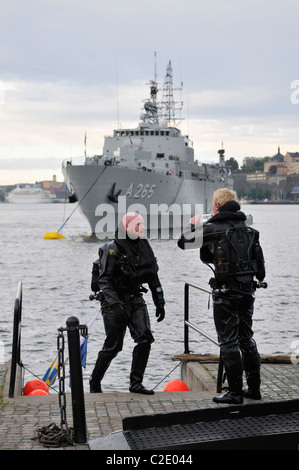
(123, 266)
(233, 305)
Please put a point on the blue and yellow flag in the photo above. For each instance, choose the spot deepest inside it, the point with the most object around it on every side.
(52, 371)
(51, 374)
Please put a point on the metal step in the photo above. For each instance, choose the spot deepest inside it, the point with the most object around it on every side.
(263, 426)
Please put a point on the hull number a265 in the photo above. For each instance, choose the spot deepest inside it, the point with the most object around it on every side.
(140, 191)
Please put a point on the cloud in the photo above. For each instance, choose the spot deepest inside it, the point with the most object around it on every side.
(44, 119)
(29, 163)
(73, 66)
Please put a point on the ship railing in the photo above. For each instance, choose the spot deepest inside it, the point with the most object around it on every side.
(83, 160)
(16, 363)
(188, 324)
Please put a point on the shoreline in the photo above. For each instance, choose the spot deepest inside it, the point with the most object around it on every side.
(279, 203)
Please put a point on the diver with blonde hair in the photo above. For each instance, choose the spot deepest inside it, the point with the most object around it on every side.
(234, 251)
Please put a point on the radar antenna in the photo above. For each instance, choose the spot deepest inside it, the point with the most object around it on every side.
(168, 104)
(165, 110)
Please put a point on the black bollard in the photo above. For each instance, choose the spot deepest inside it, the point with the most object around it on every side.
(78, 405)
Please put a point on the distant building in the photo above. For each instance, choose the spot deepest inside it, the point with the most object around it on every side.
(249, 162)
(295, 193)
(283, 165)
(59, 189)
(257, 176)
(292, 161)
(276, 165)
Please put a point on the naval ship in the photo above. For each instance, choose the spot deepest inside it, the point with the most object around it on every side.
(149, 169)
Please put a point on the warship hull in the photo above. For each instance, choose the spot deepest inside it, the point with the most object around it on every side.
(106, 193)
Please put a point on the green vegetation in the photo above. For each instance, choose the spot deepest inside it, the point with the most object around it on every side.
(256, 165)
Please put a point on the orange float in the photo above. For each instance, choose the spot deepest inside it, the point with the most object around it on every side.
(38, 392)
(35, 385)
(176, 386)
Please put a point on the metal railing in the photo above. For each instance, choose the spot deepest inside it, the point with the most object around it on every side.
(187, 325)
(16, 341)
(76, 379)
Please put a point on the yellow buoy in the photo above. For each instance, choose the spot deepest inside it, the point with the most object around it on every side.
(52, 236)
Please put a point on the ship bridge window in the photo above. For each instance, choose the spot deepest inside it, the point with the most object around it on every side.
(160, 155)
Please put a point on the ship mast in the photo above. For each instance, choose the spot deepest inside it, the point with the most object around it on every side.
(168, 104)
(165, 111)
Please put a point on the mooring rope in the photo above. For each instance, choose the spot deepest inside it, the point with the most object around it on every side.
(167, 375)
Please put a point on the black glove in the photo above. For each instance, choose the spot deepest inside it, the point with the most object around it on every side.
(120, 313)
(160, 312)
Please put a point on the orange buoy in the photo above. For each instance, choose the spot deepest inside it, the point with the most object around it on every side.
(176, 386)
(35, 385)
(38, 392)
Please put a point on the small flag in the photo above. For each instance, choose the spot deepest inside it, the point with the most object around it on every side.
(84, 352)
(83, 341)
(52, 371)
(46, 377)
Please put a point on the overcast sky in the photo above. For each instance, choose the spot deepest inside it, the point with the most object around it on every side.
(73, 66)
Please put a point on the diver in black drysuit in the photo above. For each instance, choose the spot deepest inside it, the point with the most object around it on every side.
(233, 307)
(123, 266)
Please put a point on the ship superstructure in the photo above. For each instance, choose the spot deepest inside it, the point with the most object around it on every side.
(150, 167)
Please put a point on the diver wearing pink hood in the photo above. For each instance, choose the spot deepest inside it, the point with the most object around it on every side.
(124, 265)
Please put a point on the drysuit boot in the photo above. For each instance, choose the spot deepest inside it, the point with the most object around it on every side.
(234, 396)
(253, 381)
(103, 362)
(140, 357)
(252, 366)
(234, 371)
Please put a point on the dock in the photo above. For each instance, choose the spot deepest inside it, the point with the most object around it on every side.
(126, 421)
(21, 416)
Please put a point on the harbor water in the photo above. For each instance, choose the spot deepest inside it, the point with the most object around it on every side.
(56, 285)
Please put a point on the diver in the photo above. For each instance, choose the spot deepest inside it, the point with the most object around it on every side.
(124, 265)
(234, 250)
